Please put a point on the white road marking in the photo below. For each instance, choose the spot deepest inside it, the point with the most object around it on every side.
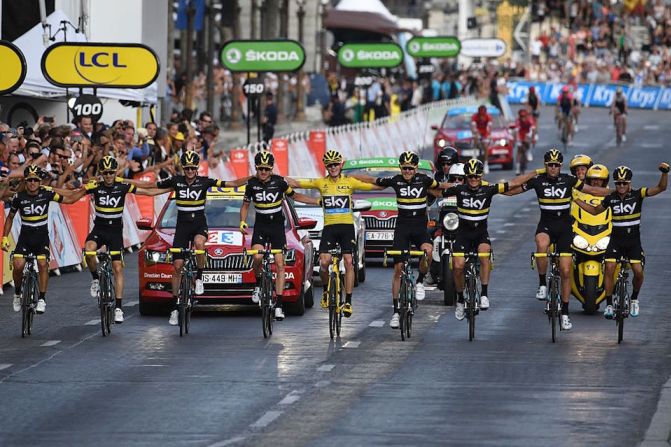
(50, 343)
(322, 383)
(290, 398)
(651, 127)
(131, 303)
(509, 224)
(92, 322)
(376, 323)
(228, 442)
(526, 208)
(5, 366)
(325, 368)
(351, 344)
(501, 231)
(651, 145)
(266, 419)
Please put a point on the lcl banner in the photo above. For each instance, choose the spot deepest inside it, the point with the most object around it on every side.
(108, 65)
(13, 70)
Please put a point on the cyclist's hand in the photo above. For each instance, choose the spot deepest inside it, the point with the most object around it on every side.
(5, 243)
(664, 167)
(91, 185)
(243, 227)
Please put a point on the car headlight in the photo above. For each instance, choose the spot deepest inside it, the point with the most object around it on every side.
(442, 143)
(451, 221)
(156, 257)
(602, 244)
(502, 142)
(580, 242)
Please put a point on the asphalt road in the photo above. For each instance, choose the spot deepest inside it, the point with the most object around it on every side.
(225, 385)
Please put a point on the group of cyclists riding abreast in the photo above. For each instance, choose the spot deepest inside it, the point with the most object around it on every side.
(555, 191)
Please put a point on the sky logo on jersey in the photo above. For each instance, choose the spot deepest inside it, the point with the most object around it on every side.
(112, 202)
(34, 210)
(409, 191)
(474, 203)
(188, 194)
(554, 192)
(267, 197)
(337, 204)
(624, 208)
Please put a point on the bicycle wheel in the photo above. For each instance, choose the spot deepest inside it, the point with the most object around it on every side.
(181, 303)
(271, 304)
(187, 315)
(621, 312)
(410, 311)
(470, 309)
(402, 308)
(266, 318)
(26, 306)
(332, 304)
(341, 303)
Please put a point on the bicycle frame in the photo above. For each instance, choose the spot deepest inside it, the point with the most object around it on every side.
(185, 301)
(335, 288)
(553, 300)
(29, 290)
(266, 301)
(621, 297)
(106, 290)
(407, 300)
(471, 288)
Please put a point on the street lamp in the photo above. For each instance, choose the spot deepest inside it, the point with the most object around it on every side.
(322, 33)
(300, 108)
(427, 11)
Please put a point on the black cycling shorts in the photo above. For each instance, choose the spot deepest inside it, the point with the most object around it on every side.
(629, 247)
(342, 234)
(274, 234)
(409, 234)
(560, 232)
(33, 241)
(186, 231)
(110, 237)
(469, 239)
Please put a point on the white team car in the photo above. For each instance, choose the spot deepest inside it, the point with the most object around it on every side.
(316, 213)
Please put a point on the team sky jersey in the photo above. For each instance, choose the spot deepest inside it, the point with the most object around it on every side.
(34, 210)
(336, 196)
(473, 204)
(554, 194)
(108, 202)
(410, 195)
(627, 210)
(481, 122)
(267, 197)
(190, 198)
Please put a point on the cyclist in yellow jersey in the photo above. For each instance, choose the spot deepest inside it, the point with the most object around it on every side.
(336, 192)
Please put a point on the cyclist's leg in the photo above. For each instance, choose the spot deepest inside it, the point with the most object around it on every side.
(396, 283)
(17, 273)
(611, 256)
(623, 117)
(346, 239)
(401, 242)
(183, 235)
(91, 261)
(562, 233)
(634, 252)
(542, 244)
(485, 265)
(327, 243)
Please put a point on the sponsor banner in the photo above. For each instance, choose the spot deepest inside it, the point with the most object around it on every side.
(370, 55)
(65, 249)
(317, 145)
(79, 214)
(280, 149)
(239, 162)
(664, 100)
(131, 214)
(435, 46)
(383, 203)
(262, 55)
(483, 47)
(109, 65)
(13, 67)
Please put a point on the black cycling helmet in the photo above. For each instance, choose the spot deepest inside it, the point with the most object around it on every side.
(408, 158)
(474, 167)
(448, 156)
(553, 156)
(33, 171)
(108, 163)
(190, 159)
(264, 159)
(622, 174)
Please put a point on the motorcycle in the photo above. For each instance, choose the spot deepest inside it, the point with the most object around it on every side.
(443, 241)
(591, 235)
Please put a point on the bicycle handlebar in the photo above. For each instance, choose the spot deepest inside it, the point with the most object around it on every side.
(405, 252)
(273, 251)
(480, 255)
(552, 255)
(187, 250)
(98, 252)
(29, 256)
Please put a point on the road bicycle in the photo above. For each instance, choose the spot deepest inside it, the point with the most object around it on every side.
(335, 291)
(30, 290)
(471, 287)
(621, 297)
(266, 300)
(407, 301)
(553, 300)
(106, 293)
(185, 300)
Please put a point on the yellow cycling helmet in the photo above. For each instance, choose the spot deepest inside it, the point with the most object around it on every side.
(599, 172)
(332, 157)
(190, 159)
(33, 171)
(408, 158)
(108, 163)
(580, 160)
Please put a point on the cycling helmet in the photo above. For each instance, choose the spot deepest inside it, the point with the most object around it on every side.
(553, 156)
(189, 159)
(474, 167)
(408, 158)
(331, 157)
(33, 171)
(522, 112)
(599, 172)
(565, 89)
(618, 91)
(622, 174)
(264, 159)
(482, 109)
(448, 156)
(108, 163)
(580, 160)
(456, 170)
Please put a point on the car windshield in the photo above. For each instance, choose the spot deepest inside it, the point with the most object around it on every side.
(221, 211)
(463, 122)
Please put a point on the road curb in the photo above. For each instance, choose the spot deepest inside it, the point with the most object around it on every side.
(659, 431)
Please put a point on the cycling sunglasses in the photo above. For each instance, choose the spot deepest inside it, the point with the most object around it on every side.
(190, 168)
(408, 168)
(473, 176)
(264, 169)
(456, 178)
(332, 165)
(553, 165)
(621, 183)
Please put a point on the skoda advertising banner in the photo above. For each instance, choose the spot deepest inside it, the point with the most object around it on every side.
(13, 70)
(108, 65)
(370, 55)
(262, 55)
(438, 46)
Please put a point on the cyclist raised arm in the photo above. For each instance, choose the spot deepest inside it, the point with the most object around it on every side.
(267, 192)
(336, 200)
(626, 204)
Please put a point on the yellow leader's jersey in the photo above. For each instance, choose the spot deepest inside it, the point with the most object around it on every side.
(587, 198)
(336, 196)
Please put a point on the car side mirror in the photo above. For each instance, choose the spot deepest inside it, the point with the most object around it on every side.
(434, 127)
(305, 223)
(144, 224)
(362, 205)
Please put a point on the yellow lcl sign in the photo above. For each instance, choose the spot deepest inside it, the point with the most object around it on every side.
(100, 65)
(13, 70)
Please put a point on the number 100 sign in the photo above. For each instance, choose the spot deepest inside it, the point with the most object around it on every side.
(86, 105)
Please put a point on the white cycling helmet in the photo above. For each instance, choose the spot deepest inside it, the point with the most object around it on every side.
(457, 169)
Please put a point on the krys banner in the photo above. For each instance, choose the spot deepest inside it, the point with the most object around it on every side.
(13, 70)
(108, 65)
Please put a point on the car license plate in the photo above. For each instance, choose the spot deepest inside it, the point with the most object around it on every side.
(222, 278)
(470, 152)
(380, 235)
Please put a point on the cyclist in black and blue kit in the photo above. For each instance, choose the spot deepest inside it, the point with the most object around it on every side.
(619, 109)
